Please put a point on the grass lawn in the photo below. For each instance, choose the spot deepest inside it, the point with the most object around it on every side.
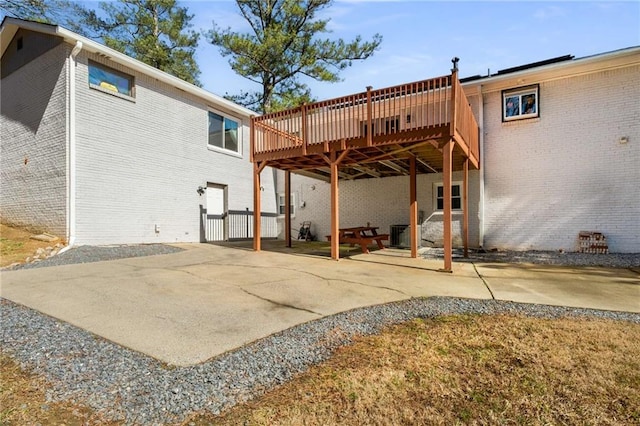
(449, 370)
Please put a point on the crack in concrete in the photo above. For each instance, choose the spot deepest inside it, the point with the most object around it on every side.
(284, 305)
(486, 284)
(370, 285)
(300, 271)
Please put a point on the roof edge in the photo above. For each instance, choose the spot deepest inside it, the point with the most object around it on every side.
(10, 25)
(554, 64)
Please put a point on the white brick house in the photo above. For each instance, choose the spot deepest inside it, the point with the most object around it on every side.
(102, 149)
(570, 166)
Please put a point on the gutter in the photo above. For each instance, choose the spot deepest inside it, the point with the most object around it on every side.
(481, 201)
(575, 67)
(71, 147)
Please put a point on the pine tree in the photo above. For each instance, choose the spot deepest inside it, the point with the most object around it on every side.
(68, 14)
(285, 44)
(155, 32)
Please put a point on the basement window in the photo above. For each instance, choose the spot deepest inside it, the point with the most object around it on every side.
(109, 80)
(456, 196)
(281, 204)
(521, 103)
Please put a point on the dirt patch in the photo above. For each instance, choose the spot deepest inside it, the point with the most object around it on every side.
(23, 401)
(16, 244)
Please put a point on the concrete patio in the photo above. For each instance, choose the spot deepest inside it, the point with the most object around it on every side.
(188, 307)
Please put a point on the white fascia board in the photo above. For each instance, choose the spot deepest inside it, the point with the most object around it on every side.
(590, 64)
(11, 25)
(122, 59)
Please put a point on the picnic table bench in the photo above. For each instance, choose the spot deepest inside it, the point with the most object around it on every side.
(362, 236)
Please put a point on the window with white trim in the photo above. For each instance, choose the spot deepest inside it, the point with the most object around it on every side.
(281, 204)
(520, 103)
(108, 80)
(224, 132)
(456, 196)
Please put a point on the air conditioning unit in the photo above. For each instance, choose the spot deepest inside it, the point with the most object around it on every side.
(400, 236)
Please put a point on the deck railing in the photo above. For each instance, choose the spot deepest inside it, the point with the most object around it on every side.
(465, 124)
(365, 116)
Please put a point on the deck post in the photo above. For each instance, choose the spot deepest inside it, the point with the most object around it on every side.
(454, 93)
(304, 128)
(287, 207)
(335, 219)
(465, 206)
(447, 154)
(413, 207)
(369, 117)
(256, 206)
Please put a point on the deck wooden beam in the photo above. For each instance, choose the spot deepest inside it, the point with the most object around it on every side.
(335, 209)
(287, 207)
(304, 129)
(413, 207)
(396, 151)
(369, 117)
(256, 205)
(465, 206)
(446, 184)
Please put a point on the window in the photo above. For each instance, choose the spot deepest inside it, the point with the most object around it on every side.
(520, 103)
(223, 132)
(19, 44)
(281, 207)
(456, 196)
(109, 80)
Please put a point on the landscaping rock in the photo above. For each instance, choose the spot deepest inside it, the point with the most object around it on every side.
(45, 237)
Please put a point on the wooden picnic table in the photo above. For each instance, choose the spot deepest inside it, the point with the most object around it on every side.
(361, 235)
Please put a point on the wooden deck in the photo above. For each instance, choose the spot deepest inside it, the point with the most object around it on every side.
(422, 127)
(410, 120)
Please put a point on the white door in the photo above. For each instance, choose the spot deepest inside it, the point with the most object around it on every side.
(214, 224)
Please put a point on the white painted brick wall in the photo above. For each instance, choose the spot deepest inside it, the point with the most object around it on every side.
(547, 179)
(139, 164)
(382, 202)
(33, 144)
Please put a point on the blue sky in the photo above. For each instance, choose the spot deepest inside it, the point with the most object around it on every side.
(421, 37)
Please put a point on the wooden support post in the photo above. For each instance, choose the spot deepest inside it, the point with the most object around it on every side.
(454, 105)
(256, 206)
(287, 207)
(369, 117)
(304, 129)
(335, 209)
(447, 165)
(465, 206)
(413, 207)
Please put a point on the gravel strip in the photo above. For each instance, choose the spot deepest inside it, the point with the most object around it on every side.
(611, 260)
(127, 386)
(89, 254)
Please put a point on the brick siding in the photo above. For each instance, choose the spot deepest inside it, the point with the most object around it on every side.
(549, 178)
(33, 157)
(139, 163)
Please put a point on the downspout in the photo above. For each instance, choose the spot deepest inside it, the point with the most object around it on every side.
(481, 209)
(71, 148)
